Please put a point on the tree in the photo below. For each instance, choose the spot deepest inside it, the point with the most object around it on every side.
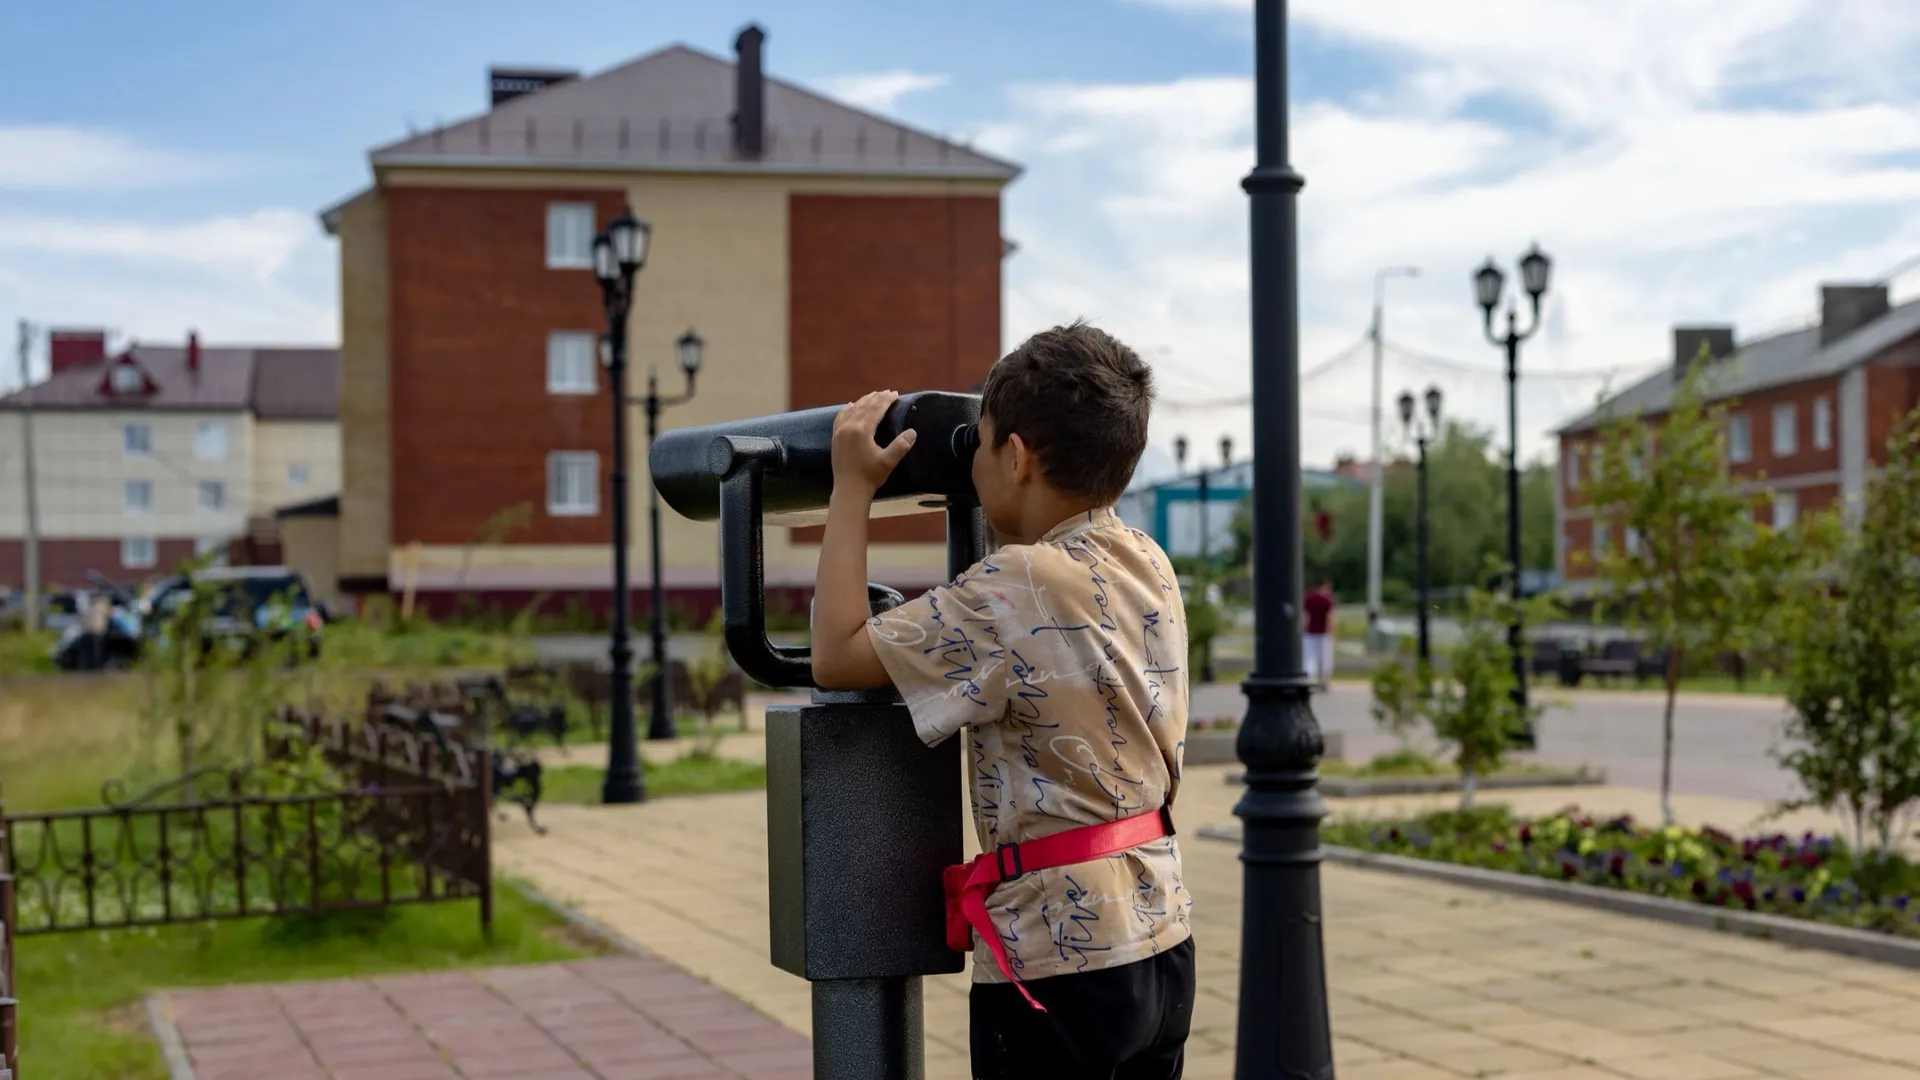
(1854, 734)
(1400, 685)
(1473, 710)
(1693, 561)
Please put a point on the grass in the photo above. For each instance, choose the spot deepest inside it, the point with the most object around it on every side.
(24, 653)
(1411, 764)
(580, 784)
(80, 1014)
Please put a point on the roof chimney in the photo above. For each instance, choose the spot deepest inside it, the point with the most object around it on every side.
(1687, 341)
(505, 84)
(75, 348)
(750, 93)
(193, 353)
(1846, 308)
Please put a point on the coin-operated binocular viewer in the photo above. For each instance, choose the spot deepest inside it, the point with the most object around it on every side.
(862, 817)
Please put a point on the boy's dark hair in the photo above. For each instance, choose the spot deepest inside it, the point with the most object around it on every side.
(1081, 400)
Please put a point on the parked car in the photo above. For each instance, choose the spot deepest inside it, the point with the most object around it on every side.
(251, 604)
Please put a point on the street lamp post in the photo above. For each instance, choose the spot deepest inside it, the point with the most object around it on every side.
(618, 255)
(688, 350)
(1421, 434)
(1283, 1027)
(1488, 285)
(1376, 514)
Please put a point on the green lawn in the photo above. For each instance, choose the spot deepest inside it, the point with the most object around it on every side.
(1408, 764)
(580, 784)
(80, 1012)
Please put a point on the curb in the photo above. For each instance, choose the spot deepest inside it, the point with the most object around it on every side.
(172, 1050)
(585, 924)
(1341, 787)
(1801, 933)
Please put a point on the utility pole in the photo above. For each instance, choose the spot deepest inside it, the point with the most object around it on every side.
(1376, 499)
(31, 567)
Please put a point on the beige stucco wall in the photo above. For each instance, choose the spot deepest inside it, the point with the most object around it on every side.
(311, 545)
(278, 446)
(83, 467)
(717, 263)
(365, 478)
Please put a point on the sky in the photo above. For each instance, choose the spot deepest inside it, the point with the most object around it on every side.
(1681, 161)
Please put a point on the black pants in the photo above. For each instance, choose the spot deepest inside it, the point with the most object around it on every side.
(1122, 1023)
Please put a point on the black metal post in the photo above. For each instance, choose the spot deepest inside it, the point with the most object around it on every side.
(1206, 568)
(1420, 551)
(660, 723)
(1513, 507)
(623, 783)
(1283, 1028)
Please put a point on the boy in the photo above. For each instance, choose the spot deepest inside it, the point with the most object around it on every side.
(1063, 653)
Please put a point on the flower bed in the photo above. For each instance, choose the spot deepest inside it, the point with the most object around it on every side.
(1806, 877)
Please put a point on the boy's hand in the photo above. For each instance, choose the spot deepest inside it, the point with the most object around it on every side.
(859, 463)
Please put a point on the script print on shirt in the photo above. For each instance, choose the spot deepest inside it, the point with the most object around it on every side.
(1064, 661)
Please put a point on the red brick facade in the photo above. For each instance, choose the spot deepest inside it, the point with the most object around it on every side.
(891, 292)
(472, 304)
(64, 561)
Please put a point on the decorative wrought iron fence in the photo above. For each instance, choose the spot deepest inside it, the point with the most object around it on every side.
(9, 1007)
(343, 815)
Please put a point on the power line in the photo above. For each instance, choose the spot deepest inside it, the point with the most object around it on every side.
(1461, 367)
(1241, 401)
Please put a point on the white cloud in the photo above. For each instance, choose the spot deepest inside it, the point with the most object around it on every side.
(879, 91)
(265, 277)
(55, 157)
(1683, 160)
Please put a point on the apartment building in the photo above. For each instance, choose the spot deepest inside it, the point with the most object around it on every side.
(1808, 414)
(158, 453)
(820, 251)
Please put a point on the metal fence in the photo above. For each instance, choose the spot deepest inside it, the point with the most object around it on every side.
(342, 815)
(9, 1007)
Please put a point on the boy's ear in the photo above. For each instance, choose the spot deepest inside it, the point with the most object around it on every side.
(1024, 461)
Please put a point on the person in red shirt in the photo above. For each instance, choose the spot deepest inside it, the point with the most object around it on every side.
(1318, 638)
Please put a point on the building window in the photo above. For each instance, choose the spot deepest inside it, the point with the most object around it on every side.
(138, 496)
(573, 483)
(569, 236)
(297, 473)
(1786, 509)
(1601, 541)
(1739, 440)
(570, 362)
(210, 441)
(137, 552)
(213, 495)
(136, 440)
(1786, 439)
(1633, 540)
(1573, 469)
(1823, 423)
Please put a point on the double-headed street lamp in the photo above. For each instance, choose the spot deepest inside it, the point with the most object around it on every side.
(1376, 514)
(618, 255)
(1488, 285)
(1421, 434)
(1283, 1027)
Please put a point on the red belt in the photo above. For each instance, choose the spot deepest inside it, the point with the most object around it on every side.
(968, 885)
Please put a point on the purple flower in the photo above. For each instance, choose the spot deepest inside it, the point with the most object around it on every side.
(1900, 902)
(1526, 835)
(1617, 866)
(1799, 895)
(1699, 887)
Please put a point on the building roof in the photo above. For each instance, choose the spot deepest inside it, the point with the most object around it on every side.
(669, 111)
(296, 384)
(276, 383)
(1779, 360)
(326, 506)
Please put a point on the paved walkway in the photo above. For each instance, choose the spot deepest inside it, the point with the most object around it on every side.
(1427, 981)
(614, 1019)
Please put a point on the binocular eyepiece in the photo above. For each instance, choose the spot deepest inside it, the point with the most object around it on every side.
(795, 453)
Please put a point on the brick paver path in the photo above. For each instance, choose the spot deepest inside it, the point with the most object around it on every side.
(613, 1019)
(1428, 982)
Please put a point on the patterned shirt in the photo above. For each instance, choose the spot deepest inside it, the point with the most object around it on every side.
(1065, 660)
